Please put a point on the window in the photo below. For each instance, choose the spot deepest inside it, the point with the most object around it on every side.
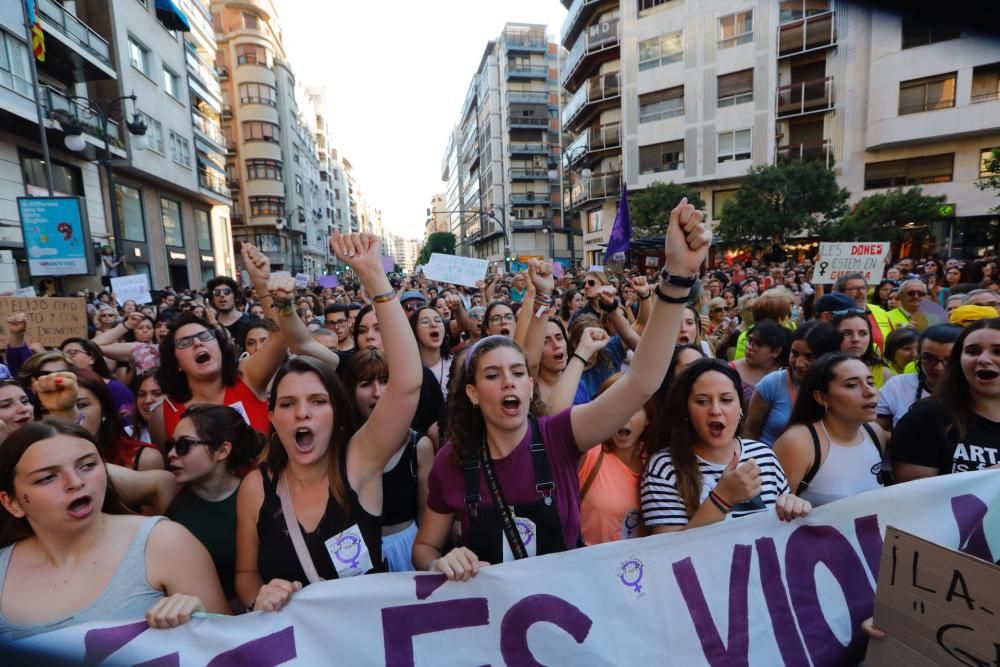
(735, 29)
(258, 93)
(719, 199)
(250, 21)
(985, 156)
(266, 170)
(66, 180)
(251, 54)
(14, 66)
(733, 145)
(154, 133)
(336, 194)
(258, 130)
(661, 104)
(668, 156)
(920, 32)
(650, 4)
(172, 83)
(986, 83)
(927, 94)
(735, 88)
(180, 149)
(173, 234)
(272, 206)
(661, 50)
(911, 171)
(203, 227)
(594, 223)
(298, 185)
(796, 10)
(138, 55)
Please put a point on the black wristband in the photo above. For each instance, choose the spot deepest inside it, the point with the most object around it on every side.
(643, 298)
(671, 299)
(677, 281)
(608, 307)
(577, 356)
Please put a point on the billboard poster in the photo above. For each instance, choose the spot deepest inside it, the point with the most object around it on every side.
(56, 236)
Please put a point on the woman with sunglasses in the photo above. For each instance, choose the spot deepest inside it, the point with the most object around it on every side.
(65, 532)
(716, 309)
(208, 372)
(832, 449)
(593, 285)
(523, 469)
(313, 510)
(855, 331)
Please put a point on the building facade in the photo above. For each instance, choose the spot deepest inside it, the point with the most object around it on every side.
(437, 215)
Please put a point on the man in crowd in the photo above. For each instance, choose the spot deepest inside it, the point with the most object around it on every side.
(911, 293)
(855, 286)
(224, 294)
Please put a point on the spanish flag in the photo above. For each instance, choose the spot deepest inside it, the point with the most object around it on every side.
(37, 36)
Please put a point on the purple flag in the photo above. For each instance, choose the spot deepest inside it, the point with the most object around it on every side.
(621, 233)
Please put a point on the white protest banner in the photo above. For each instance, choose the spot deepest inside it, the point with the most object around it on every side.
(134, 287)
(301, 280)
(836, 259)
(456, 270)
(744, 591)
(596, 268)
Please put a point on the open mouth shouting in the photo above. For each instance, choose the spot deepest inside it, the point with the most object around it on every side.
(716, 429)
(304, 439)
(511, 405)
(81, 508)
(559, 357)
(202, 357)
(505, 331)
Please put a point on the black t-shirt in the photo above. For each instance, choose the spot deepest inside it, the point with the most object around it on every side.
(925, 437)
(431, 407)
(236, 330)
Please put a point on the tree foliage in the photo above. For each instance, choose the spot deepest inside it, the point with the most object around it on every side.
(440, 242)
(882, 216)
(777, 201)
(992, 182)
(650, 207)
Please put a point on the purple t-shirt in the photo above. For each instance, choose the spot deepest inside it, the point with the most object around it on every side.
(446, 487)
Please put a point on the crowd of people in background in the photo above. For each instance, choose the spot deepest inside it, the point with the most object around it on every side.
(220, 448)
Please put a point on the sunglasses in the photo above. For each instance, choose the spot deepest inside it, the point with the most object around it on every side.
(222, 291)
(716, 310)
(182, 444)
(185, 342)
(848, 311)
(591, 283)
(915, 293)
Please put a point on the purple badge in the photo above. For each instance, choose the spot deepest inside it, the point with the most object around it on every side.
(348, 550)
(630, 574)
(524, 528)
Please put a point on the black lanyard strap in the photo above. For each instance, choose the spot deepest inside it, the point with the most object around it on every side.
(503, 509)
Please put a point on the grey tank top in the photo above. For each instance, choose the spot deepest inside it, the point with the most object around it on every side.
(128, 596)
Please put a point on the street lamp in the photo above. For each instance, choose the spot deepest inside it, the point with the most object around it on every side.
(104, 110)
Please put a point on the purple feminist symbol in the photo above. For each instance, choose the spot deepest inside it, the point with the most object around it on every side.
(630, 574)
(524, 528)
(348, 550)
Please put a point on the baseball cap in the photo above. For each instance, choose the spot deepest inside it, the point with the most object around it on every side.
(834, 301)
(412, 294)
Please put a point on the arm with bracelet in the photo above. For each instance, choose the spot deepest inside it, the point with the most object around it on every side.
(541, 283)
(593, 340)
(258, 369)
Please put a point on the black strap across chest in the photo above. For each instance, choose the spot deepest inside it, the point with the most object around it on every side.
(818, 454)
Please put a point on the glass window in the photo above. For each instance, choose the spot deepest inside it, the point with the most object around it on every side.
(267, 206)
(796, 10)
(661, 50)
(661, 104)
(180, 149)
(650, 4)
(719, 199)
(138, 55)
(985, 156)
(594, 223)
(251, 54)
(203, 227)
(257, 130)
(250, 21)
(911, 171)
(927, 94)
(130, 213)
(66, 180)
(172, 83)
(920, 31)
(173, 233)
(667, 156)
(258, 93)
(262, 169)
(14, 74)
(735, 29)
(734, 145)
(735, 88)
(154, 133)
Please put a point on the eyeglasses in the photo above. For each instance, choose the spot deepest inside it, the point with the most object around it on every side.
(336, 323)
(183, 444)
(428, 321)
(591, 283)
(756, 342)
(930, 361)
(222, 291)
(497, 319)
(185, 342)
(848, 311)
(913, 293)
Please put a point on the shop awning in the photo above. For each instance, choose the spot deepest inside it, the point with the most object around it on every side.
(172, 17)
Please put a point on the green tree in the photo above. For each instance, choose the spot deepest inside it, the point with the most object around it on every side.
(440, 242)
(650, 207)
(777, 201)
(992, 182)
(881, 217)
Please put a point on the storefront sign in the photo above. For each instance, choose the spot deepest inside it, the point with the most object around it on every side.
(56, 236)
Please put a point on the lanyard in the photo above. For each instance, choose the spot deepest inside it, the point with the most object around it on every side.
(503, 509)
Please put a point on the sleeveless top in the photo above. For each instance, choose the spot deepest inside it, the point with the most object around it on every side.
(276, 557)
(399, 486)
(129, 452)
(846, 471)
(214, 524)
(239, 396)
(128, 595)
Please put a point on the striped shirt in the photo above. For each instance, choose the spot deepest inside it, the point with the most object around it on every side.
(662, 504)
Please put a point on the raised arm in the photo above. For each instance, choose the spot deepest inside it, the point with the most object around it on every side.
(460, 317)
(299, 340)
(686, 246)
(644, 292)
(524, 314)
(258, 369)
(57, 393)
(609, 303)
(155, 489)
(540, 276)
(593, 340)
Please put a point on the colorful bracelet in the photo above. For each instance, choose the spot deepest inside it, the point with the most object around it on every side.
(717, 500)
(385, 297)
(283, 306)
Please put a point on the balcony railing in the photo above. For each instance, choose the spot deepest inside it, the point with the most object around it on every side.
(595, 139)
(805, 97)
(528, 174)
(598, 186)
(578, 13)
(55, 101)
(822, 152)
(527, 71)
(527, 97)
(543, 198)
(528, 148)
(213, 180)
(202, 71)
(595, 89)
(524, 42)
(598, 37)
(76, 30)
(986, 97)
(812, 32)
(208, 127)
(517, 120)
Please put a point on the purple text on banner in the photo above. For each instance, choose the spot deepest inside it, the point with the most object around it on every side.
(557, 270)
(388, 263)
(328, 281)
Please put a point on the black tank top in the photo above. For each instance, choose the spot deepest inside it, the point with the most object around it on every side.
(399, 486)
(276, 558)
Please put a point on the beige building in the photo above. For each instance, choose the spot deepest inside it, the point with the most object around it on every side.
(698, 92)
(437, 216)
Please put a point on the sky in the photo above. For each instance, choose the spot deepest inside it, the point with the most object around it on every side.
(396, 74)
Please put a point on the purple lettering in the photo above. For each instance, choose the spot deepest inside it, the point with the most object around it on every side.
(969, 511)
(533, 609)
(735, 652)
(870, 538)
(401, 624)
(274, 649)
(782, 621)
(807, 547)
(102, 642)
(428, 583)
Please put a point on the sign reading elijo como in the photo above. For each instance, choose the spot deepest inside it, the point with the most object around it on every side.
(56, 236)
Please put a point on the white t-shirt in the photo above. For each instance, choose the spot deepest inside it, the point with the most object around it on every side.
(897, 395)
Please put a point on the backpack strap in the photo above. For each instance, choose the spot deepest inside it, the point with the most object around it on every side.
(593, 475)
(814, 468)
(470, 468)
(540, 462)
(874, 436)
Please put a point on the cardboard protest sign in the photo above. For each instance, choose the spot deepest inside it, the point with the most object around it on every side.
(837, 259)
(456, 270)
(134, 288)
(937, 606)
(50, 320)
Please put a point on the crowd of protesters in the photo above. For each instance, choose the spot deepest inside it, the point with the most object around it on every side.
(216, 450)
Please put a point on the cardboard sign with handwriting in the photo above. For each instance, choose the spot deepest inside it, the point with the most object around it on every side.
(937, 606)
(51, 320)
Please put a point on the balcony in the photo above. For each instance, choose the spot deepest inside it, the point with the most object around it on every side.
(523, 121)
(515, 41)
(579, 13)
(529, 198)
(214, 181)
(527, 71)
(56, 105)
(805, 97)
(208, 128)
(822, 152)
(598, 186)
(527, 97)
(598, 44)
(203, 73)
(528, 174)
(595, 140)
(80, 40)
(528, 148)
(818, 31)
(595, 90)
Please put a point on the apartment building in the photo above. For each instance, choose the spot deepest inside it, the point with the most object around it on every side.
(700, 91)
(437, 215)
(506, 146)
(333, 200)
(451, 176)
